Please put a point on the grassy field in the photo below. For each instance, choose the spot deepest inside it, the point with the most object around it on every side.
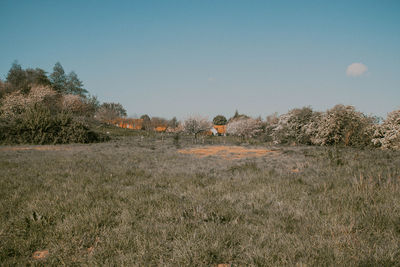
(137, 201)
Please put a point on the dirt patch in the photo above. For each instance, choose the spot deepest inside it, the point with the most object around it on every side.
(226, 152)
(39, 255)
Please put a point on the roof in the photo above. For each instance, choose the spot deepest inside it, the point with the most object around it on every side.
(221, 129)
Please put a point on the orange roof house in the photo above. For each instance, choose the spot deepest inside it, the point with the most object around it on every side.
(221, 129)
(160, 129)
(133, 124)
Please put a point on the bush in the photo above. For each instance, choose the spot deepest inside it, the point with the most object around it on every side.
(343, 125)
(15, 103)
(298, 125)
(244, 127)
(37, 125)
(387, 135)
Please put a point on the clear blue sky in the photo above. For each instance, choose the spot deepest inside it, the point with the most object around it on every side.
(175, 58)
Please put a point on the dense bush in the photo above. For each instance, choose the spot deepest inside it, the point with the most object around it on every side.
(244, 127)
(343, 125)
(37, 125)
(17, 102)
(298, 126)
(387, 135)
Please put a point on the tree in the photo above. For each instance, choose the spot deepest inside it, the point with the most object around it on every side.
(110, 111)
(237, 116)
(59, 79)
(157, 121)
(16, 78)
(37, 77)
(244, 127)
(146, 125)
(343, 125)
(195, 125)
(173, 123)
(298, 125)
(74, 85)
(219, 120)
(387, 135)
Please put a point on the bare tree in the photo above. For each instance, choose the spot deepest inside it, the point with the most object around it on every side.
(110, 111)
(195, 125)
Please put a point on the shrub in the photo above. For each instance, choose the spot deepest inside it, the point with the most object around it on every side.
(244, 127)
(37, 125)
(79, 105)
(343, 125)
(16, 102)
(298, 125)
(387, 135)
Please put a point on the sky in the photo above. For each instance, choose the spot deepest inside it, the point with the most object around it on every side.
(178, 58)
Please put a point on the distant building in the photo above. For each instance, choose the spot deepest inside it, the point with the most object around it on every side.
(134, 124)
(220, 129)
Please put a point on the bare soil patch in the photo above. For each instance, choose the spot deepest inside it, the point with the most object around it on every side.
(227, 152)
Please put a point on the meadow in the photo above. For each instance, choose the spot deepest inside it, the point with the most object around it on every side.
(137, 200)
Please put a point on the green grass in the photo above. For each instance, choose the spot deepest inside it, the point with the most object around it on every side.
(137, 201)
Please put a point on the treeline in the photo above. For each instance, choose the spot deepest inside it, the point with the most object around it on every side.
(339, 126)
(41, 108)
(55, 108)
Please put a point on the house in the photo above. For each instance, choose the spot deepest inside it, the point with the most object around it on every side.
(160, 129)
(133, 124)
(220, 129)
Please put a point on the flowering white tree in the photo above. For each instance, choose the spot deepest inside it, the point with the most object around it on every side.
(244, 127)
(387, 135)
(16, 102)
(298, 125)
(195, 125)
(344, 125)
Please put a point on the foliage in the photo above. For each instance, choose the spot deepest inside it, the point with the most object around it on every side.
(195, 125)
(16, 102)
(22, 80)
(387, 135)
(110, 111)
(37, 125)
(146, 122)
(237, 116)
(74, 85)
(343, 125)
(298, 125)
(78, 105)
(220, 120)
(244, 127)
(58, 78)
(173, 123)
(66, 84)
(158, 121)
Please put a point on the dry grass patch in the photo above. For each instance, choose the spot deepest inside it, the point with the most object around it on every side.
(227, 152)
